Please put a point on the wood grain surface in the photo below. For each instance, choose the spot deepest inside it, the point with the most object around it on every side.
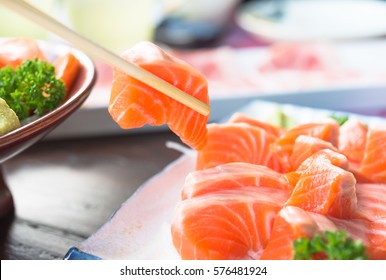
(64, 190)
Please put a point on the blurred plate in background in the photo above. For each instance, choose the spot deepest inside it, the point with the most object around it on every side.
(296, 20)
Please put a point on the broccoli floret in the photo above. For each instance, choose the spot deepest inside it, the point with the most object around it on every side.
(32, 88)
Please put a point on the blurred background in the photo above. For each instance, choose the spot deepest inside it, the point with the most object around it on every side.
(118, 24)
(294, 51)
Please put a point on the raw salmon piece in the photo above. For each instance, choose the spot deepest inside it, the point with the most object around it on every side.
(352, 139)
(242, 118)
(235, 175)
(324, 186)
(371, 233)
(283, 146)
(292, 223)
(373, 165)
(371, 202)
(14, 51)
(306, 146)
(361, 178)
(376, 234)
(67, 67)
(292, 179)
(326, 155)
(231, 224)
(134, 104)
(237, 142)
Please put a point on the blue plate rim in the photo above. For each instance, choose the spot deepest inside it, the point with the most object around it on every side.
(75, 254)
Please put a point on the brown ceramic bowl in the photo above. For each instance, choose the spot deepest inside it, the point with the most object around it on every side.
(20, 139)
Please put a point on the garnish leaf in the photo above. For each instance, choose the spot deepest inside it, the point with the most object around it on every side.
(341, 119)
(336, 245)
(31, 89)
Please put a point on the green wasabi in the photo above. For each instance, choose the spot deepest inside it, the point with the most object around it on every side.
(8, 118)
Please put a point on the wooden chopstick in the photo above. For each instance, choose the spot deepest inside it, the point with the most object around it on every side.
(105, 55)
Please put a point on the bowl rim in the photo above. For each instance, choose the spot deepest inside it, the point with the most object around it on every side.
(66, 107)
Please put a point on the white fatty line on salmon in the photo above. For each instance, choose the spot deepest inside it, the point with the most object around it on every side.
(144, 90)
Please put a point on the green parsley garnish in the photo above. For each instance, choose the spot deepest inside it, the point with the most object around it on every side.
(341, 119)
(31, 89)
(329, 246)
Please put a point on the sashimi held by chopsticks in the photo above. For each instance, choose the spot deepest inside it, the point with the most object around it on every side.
(134, 104)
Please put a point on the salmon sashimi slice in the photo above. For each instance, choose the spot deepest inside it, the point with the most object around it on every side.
(231, 224)
(361, 178)
(292, 223)
(371, 233)
(306, 146)
(14, 52)
(352, 139)
(324, 187)
(283, 146)
(373, 165)
(371, 201)
(326, 155)
(376, 232)
(352, 144)
(134, 104)
(236, 175)
(243, 118)
(67, 67)
(237, 142)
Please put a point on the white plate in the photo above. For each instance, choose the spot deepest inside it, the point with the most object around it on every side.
(140, 228)
(316, 20)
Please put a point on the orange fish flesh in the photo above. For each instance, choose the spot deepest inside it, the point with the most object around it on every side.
(373, 165)
(242, 143)
(352, 139)
(292, 223)
(324, 187)
(229, 224)
(234, 175)
(306, 146)
(134, 104)
(242, 118)
(283, 146)
(14, 52)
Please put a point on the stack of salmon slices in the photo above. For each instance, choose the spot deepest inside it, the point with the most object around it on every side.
(258, 188)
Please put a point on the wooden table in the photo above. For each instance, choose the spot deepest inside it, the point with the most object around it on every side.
(64, 190)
